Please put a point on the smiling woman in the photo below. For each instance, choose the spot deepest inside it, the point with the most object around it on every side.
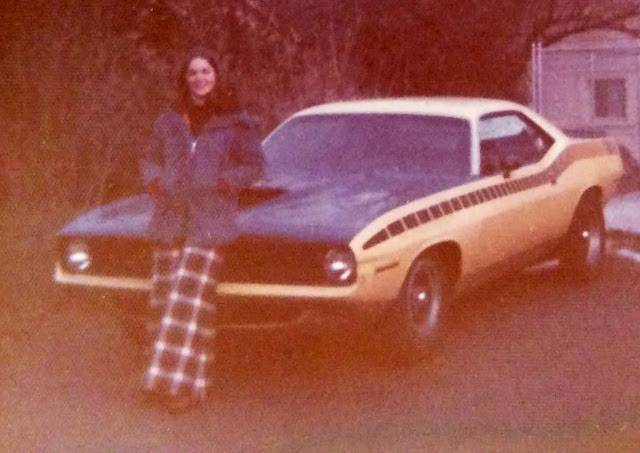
(201, 153)
(201, 78)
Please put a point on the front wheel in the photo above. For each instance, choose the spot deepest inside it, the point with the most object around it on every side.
(584, 247)
(418, 317)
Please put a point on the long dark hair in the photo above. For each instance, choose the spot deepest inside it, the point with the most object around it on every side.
(222, 99)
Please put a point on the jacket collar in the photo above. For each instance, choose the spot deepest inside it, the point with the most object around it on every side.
(220, 120)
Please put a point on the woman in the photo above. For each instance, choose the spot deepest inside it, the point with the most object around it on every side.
(200, 153)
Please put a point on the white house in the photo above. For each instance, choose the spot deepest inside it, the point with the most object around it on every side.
(589, 84)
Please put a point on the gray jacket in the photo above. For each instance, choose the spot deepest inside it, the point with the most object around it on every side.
(196, 173)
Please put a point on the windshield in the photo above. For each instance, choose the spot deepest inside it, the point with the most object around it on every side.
(351, 142)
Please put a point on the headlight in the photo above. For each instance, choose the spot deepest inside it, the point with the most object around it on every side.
(77, 256)
(340, 266)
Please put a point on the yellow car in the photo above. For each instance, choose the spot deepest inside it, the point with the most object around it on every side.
(381, 210)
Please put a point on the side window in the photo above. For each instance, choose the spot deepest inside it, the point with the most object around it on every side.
(510, 139)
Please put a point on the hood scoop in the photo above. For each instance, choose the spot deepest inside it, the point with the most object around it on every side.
(256, 195)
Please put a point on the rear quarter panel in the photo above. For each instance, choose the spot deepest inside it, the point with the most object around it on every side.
(566, 173)
(585, 164)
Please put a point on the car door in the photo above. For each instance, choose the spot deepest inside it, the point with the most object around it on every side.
(514, 227)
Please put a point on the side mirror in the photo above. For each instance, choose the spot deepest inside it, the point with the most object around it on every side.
(508, 164)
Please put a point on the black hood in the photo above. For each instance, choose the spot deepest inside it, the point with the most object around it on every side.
(301, 207)
(335, 208)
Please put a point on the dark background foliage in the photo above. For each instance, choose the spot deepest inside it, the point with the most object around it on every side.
(82, 81)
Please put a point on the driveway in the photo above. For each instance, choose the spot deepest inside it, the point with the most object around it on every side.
(534, 363)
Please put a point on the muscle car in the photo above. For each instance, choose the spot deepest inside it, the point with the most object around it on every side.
(379, 212)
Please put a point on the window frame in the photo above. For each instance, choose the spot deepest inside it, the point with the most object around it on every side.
(529, 123)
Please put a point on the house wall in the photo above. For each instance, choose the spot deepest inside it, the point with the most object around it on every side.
(589, 84)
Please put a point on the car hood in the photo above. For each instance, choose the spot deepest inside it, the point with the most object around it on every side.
(127, 217)
(299, 206)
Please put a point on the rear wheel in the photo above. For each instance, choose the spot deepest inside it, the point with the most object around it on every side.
(583, 250)
(419, 315)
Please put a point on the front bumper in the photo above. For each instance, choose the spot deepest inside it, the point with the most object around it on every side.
(247, 307)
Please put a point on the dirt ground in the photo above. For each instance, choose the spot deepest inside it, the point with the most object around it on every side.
(69, 380)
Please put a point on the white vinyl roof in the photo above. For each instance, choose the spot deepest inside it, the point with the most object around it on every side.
(457, 107)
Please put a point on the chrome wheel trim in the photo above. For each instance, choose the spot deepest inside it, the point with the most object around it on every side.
(424, 299)
(592, 238)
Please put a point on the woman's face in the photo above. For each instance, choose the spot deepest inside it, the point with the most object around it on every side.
(201, 79)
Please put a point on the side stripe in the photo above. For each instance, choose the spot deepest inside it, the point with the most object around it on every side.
(485, 194)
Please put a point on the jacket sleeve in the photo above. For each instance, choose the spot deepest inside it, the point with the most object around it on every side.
(151, 159)
(246, 160)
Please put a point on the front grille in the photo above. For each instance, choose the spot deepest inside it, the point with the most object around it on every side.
(247, 260)
(271, 261)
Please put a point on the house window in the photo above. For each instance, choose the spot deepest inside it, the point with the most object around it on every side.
(610, 97)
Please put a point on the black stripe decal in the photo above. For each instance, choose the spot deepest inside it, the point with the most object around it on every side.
(395, 228)
(485, 194)
(424, 216)
(435, 212)
(376, 239)
(410, 221)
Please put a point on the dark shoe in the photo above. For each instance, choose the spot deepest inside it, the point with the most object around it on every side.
(179, 404)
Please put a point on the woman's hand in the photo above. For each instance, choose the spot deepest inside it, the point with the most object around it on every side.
(153, 188)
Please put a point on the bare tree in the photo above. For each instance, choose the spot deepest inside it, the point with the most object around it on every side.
(557, 19)
(83, 82)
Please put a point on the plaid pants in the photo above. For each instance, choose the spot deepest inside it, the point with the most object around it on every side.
(182, 302)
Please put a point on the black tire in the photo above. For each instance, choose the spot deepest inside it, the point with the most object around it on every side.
(418, 317)
(584, 247)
